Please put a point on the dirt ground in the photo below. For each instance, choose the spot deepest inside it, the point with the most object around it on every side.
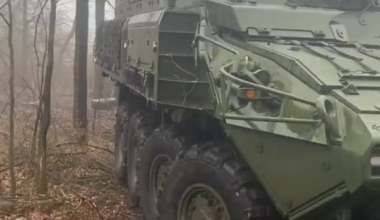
(81, 183)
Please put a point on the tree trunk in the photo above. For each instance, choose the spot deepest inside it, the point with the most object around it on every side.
(42, 186)
(98, 86)
(80, 67)
(11, 100)
(59, 59)
(24, 48)
(67, 41)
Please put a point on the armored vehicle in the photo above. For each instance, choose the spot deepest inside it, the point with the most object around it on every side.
(250, 109)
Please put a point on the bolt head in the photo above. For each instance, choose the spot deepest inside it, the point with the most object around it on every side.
(340, 33)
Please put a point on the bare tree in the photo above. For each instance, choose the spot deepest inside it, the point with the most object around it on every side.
(80, 66)
(42, 186)
(67, 41)
(40, 89)
(9, 23)
(25, 27)
(11, 100)
(98, 79)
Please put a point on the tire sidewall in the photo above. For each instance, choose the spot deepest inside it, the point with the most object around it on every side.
(129, 136)
(198, 172)
(158, 145)
(136, 130)
(119, 142)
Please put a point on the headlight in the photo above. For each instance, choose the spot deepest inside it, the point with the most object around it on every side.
(375, 161)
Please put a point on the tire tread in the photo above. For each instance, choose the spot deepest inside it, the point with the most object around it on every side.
(223, 156)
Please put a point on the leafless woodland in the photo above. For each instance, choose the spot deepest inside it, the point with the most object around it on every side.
(60, 175)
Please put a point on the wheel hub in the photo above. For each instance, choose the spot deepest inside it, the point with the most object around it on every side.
(201, 202)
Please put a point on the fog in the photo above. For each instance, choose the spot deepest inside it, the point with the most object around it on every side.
(30, 63)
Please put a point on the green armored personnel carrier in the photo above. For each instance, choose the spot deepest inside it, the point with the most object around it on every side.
(255, 109)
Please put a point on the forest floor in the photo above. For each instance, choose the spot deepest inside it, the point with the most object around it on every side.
(81, 183)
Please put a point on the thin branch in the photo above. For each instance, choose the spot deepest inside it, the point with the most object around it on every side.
(15, 165)
(67, 41)
(84, 199)
(5, 20)
(4, 133)
(109, 3)
(88, 145)
(35, 45)
(1, 7)
(5, 4)
(90, 202)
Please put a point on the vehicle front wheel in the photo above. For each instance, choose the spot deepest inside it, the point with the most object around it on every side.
(212, 182)
(120, 169)
(373, 211)
(136, 136)
(159, 152)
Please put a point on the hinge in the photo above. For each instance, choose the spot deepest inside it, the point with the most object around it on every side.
(263, 31)
(318, 33)
(350, 89)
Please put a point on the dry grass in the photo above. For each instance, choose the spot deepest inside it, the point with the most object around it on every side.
(81, 182)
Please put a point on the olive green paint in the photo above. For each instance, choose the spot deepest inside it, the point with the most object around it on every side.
(311, 144)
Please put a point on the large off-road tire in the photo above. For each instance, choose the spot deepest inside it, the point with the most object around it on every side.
(160, 150)
(220, 176)
(373, 211)
(120, 144)
(374, 216)
(136, 135)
